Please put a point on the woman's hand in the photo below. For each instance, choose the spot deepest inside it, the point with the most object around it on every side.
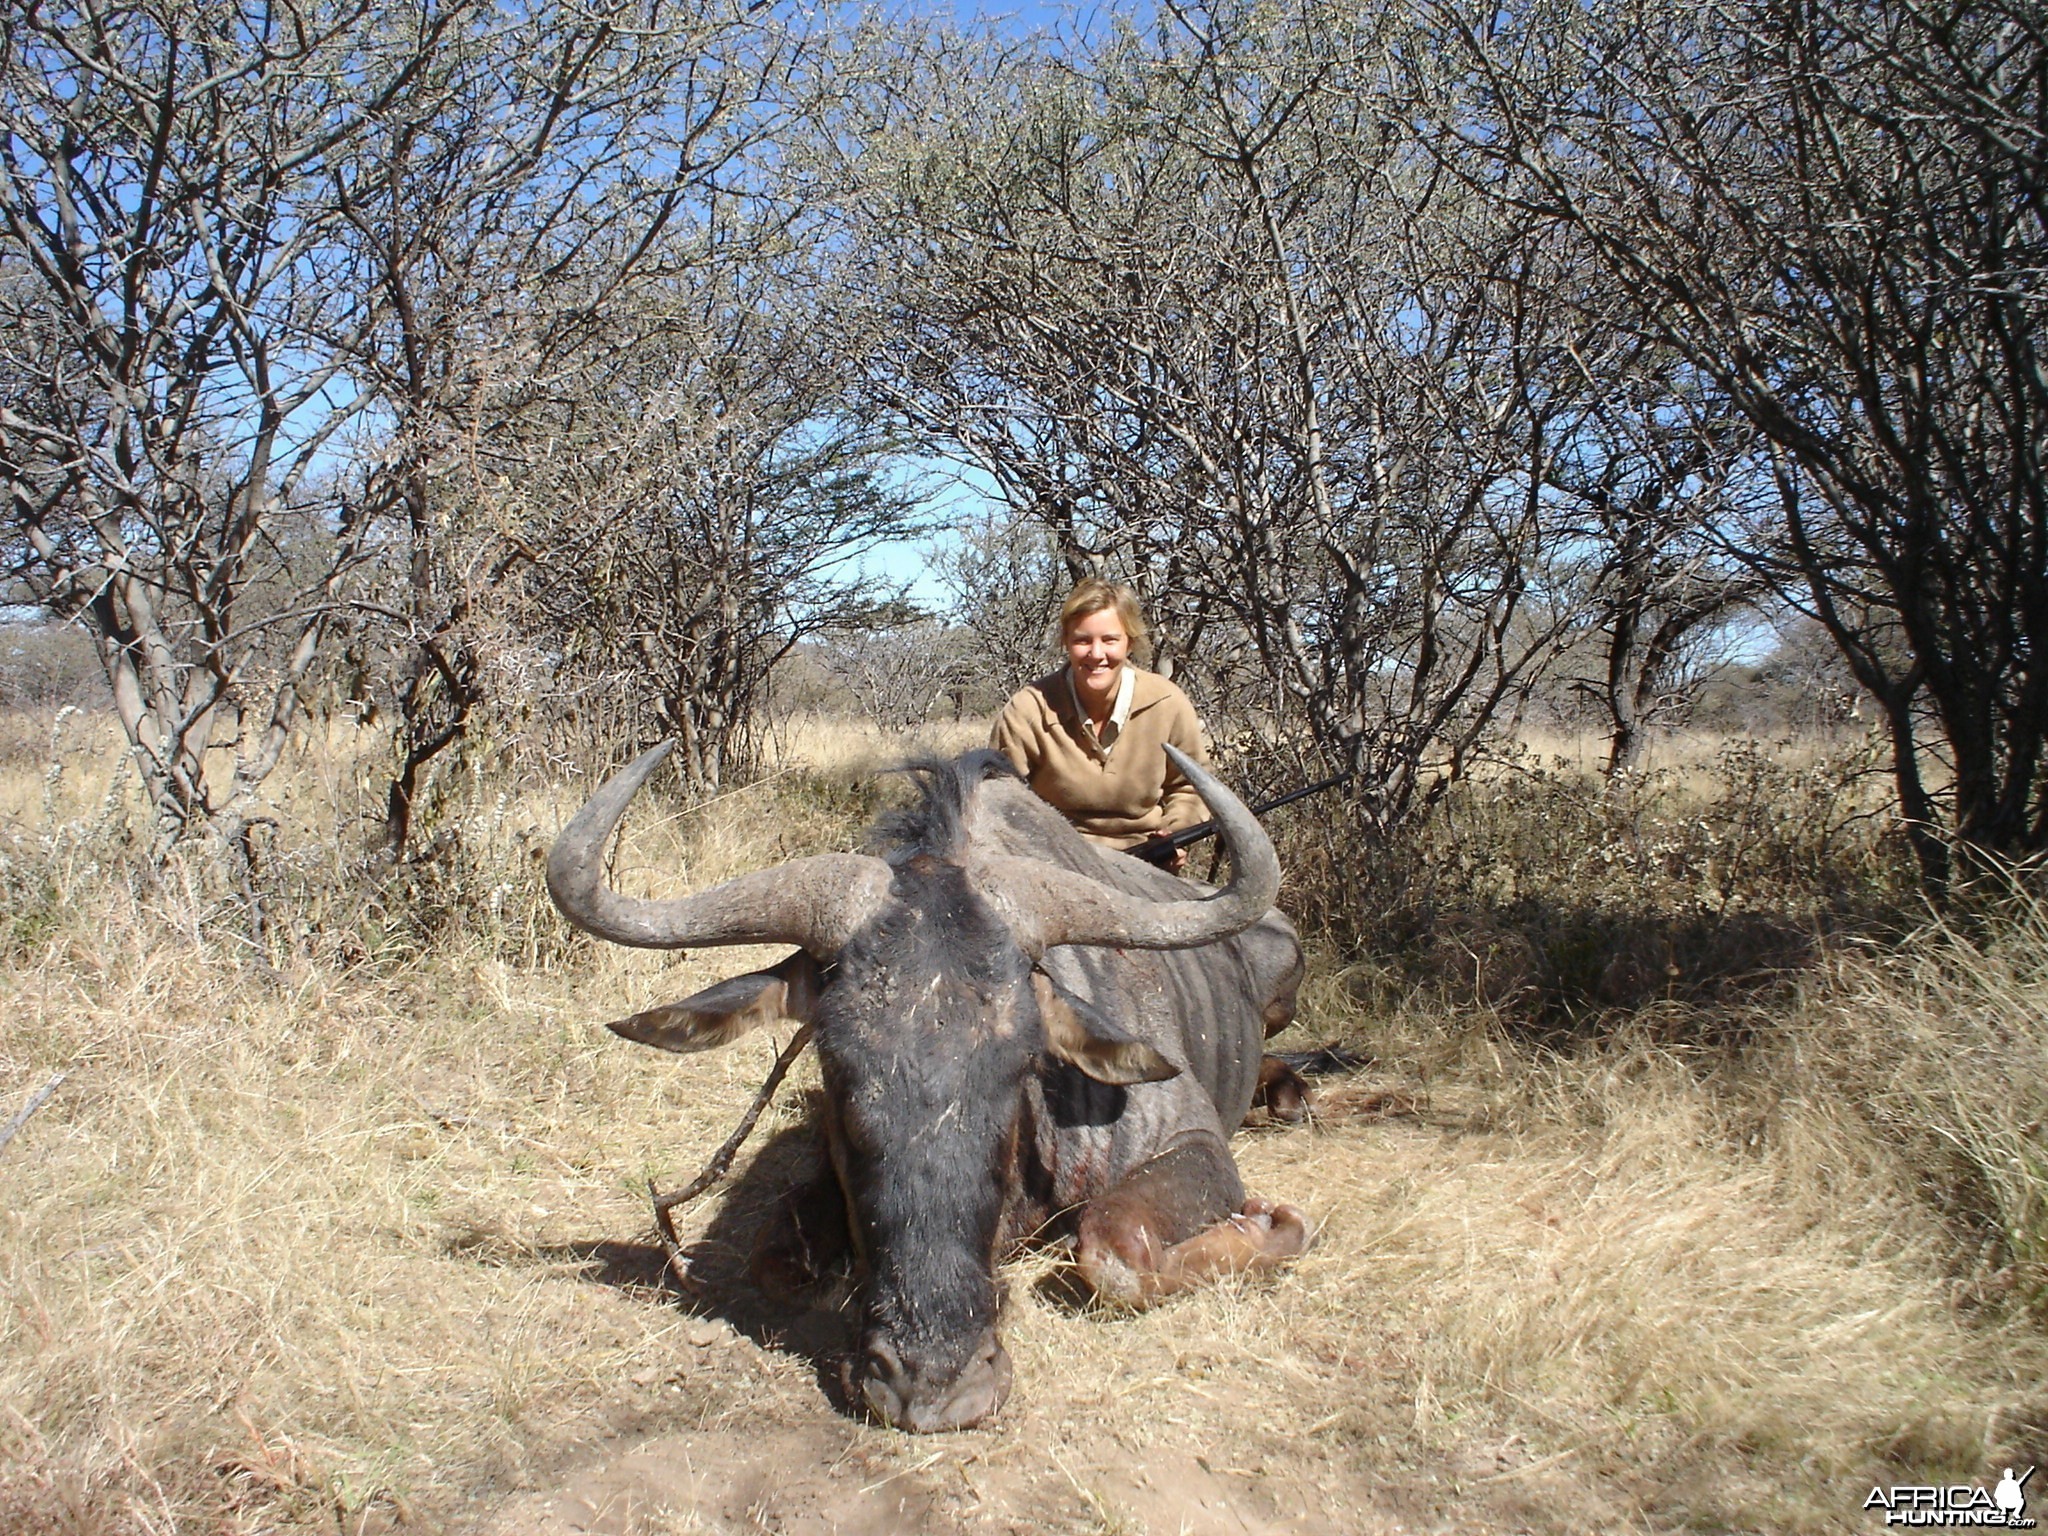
(1176, 862)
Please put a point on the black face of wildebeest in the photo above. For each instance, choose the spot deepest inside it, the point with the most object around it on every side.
(917, 971)
(925, 1034)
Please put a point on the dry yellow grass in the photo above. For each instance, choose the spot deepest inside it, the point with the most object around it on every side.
(829, 745)
(322, 1239)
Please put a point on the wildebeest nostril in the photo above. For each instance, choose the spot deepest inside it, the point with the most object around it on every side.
(881, 1362)
(881, 1383)
(888, 1391)
(882, 1400)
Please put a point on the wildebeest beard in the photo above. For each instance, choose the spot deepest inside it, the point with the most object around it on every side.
(927, 1032)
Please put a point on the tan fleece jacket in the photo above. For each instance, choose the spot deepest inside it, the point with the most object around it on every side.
(1115, 798)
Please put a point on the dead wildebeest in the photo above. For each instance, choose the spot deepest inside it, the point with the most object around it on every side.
(1018, 1033)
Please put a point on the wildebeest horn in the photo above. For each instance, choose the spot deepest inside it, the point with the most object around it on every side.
(816, 902)
(1055, 906)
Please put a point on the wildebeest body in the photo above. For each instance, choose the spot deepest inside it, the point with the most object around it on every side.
(1209, 1009)
(1016, 1031)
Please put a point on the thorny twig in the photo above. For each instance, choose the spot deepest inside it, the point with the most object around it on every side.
(721, 1161)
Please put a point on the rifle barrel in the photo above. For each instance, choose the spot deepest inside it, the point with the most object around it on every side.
(1155, 850)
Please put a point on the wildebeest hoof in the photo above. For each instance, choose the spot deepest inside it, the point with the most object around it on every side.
(1281, 1231)
(1126, 1269)
(1282, 1092)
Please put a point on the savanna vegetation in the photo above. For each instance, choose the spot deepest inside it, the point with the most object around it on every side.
(1611, 436)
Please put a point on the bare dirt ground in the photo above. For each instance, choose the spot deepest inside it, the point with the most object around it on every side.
(820, 1479)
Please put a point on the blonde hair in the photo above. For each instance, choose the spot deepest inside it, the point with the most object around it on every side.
(1092, 595)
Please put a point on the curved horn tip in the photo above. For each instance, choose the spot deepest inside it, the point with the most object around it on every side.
(652, 758)
(1191, 770)
(623, 784)
(575, 861)
(1197, 775)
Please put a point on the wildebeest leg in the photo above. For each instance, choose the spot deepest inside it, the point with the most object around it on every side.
(805, 1239)
(1282, 1091)
(1178, 1221)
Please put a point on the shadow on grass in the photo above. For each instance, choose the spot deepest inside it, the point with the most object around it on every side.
(1557, 974)
(818, 1324)
(818, 1329)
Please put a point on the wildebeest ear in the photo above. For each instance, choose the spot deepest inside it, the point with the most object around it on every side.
(1083, 1038)
(720, 1014)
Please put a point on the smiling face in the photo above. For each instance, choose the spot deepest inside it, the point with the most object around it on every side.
(1097, 645)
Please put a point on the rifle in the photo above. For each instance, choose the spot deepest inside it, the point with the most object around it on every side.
(1160, 850)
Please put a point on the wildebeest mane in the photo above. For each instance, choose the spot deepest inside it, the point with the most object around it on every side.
(936, 823)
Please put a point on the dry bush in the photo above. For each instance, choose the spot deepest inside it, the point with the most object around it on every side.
(1560, 898)
(306, 1231)
(68, 823)
(1613, 1267)
(46, 667)
(1742, 1280)
(286, 1247)
(840, 746)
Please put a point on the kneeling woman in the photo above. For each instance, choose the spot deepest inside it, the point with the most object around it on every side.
(1089, 738)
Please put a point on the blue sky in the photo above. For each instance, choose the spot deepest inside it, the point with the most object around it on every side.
(954, 494)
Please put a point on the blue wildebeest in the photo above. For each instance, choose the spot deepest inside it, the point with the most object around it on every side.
(1018, 1033)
